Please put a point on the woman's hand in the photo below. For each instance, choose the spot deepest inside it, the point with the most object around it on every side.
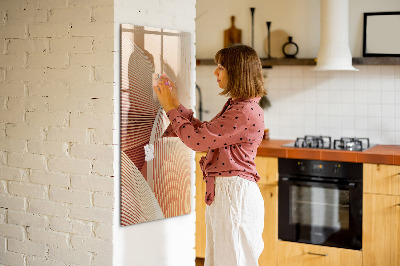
(174, 90)
(164, 95)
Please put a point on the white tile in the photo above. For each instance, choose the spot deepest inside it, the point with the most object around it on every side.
(296, 71)
(286, 132)
(397, 124)
(388, 97)
(335, 122)
(388, 137)
(297, 97)
(334, 109)
(322, 74)
(388, 84)
(322, 109)
(348, 132)
(397, 72)
(387, 71)
(397, 134)
(374, 70)
(388, 124)
(360, 133)
(361, 123)
(375, 136)
(348, 123)
(361, 97)
(285, 71)
(310, 95)
(309, 72)
(309, 82)
(298, 108)
(334, 81)
(374, 83)
(347, 109)
(374, 110)
(374, 123)
(297, 83)
(322, 83)
(388, 110)
(298, 121)
(322, 122)
(322, 96)
(286, 120)
(310, 108)
(374, 97)
(285, 83)
(348, 96)
(335, 95)
(361, 110)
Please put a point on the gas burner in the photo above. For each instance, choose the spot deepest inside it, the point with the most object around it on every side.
(351, 144)
(324, 142)
(321, 142)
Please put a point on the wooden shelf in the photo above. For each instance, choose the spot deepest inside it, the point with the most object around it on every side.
(312, 61)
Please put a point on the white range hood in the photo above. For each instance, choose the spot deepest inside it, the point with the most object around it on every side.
(334, 51)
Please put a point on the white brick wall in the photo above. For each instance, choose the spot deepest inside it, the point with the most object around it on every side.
(56, 121)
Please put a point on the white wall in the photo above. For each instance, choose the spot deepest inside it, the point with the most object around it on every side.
(338, 104)
(299, 18)
(56, 119)
(170, 241)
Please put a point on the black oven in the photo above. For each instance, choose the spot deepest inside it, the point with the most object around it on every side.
(320, 202)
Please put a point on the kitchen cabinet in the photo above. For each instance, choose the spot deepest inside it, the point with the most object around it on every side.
(200, 209)
(381, 179)
(298, 254)
(381, 215)
(270, 233)
(267, 167)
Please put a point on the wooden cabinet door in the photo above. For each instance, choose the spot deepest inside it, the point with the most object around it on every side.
(381, 179)
(267, 168)
(200, 209)
(297, 254)
(270, 233)
(381, 230)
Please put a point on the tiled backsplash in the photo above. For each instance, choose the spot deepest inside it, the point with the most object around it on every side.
(338, 104)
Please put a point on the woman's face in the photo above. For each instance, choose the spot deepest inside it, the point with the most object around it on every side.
(222, 76)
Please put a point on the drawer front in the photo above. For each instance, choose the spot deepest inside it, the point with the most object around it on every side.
(267, 168)
(381, 179)
(293, 254)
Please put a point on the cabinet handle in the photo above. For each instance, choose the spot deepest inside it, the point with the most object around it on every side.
(318, 254)
(398, 204)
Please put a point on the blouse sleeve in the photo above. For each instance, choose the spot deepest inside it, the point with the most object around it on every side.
(224, 130)
(186, 113)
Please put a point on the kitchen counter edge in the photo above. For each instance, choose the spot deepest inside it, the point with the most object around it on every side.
(379, 154)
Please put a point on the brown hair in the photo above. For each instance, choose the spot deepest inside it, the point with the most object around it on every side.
(245, 78)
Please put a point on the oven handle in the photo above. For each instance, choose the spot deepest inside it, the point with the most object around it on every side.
(297, 181)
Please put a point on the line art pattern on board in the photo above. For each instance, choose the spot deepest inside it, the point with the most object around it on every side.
(161, 186)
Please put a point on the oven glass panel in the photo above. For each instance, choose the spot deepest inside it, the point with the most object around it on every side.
(319, 208)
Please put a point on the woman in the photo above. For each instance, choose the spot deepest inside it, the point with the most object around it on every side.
(235, 207)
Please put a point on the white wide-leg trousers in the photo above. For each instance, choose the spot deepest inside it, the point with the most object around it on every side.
(234, 223)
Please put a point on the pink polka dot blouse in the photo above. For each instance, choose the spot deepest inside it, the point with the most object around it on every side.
(231, 139)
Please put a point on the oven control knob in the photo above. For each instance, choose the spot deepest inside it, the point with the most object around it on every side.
(336, 169)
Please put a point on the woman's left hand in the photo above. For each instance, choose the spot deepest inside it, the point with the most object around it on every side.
(163, 91)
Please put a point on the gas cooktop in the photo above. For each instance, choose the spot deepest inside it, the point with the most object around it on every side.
(325, 142)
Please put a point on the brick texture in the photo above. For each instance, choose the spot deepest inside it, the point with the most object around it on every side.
(56, 121)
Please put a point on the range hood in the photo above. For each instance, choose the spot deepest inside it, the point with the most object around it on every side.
(334, 51)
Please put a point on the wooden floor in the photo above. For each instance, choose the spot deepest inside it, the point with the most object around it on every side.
(199, 262)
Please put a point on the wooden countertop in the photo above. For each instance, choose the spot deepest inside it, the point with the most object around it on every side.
(379, 154)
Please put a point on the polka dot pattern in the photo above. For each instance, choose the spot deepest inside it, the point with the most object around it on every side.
(231, 139)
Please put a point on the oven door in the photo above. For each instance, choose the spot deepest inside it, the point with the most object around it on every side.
(322, 212)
